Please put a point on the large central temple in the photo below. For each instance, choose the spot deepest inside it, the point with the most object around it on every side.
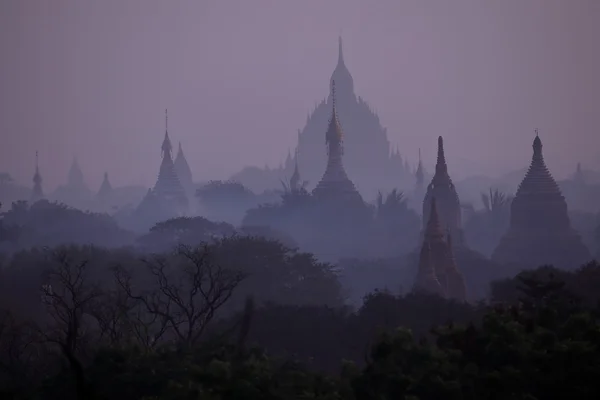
(368, 155)
(367, 152)
(335, 185)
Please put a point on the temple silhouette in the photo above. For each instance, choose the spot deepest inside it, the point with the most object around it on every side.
(540, 229)
(369, 158)
(37, 193)
(335, 186)
(442, 188)
(437, 272)
(168, 186)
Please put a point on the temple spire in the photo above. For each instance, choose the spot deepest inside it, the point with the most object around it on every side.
(578, 176)
(166, 145)
(37, 167)
(441, 166)
(37, 193)
(335, 183)
(168, 185)
(537, 146)
(448, 203)
(334, 133)
(342, 76)
(419, 174)
(75, 179)
(183, 170)
(340, 51)
(105, 188)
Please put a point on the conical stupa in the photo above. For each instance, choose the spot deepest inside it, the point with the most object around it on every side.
(37, 193)
(168, 187)
(335, 185)
(438, 273)
(540, 231)
(105, 190)
(182, 168)
(448, 204)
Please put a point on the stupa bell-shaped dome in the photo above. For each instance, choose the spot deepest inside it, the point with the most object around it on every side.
(540, 231)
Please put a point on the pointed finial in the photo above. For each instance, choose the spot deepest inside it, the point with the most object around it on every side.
(340, 50)
(537, 144)
(36, 160)
(166, 120)
(440, 166)
(419, 154)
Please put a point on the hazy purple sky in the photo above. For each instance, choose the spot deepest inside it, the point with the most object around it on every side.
(93, 78)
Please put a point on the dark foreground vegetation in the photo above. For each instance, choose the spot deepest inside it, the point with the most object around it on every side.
(89, 323)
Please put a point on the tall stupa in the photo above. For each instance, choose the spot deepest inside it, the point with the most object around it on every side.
(367, 151)
(540, 231)
(442, 189)
(335, 186)
(168, 187)
(368, 155)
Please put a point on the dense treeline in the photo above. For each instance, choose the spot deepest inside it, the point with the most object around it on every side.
(243, 317)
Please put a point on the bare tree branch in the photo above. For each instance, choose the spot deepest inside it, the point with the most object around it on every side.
(69, 298)
(189, 289)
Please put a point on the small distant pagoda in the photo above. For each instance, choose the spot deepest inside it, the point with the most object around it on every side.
(438, 273)
(419, 174)
(168, 186)
(105, 190)
(540, 231)
(184, 173)
(37, 193)
(578, 176)
(335, 185)
(448, 203)
(75, 180)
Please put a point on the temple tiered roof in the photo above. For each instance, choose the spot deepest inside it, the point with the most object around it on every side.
(105, 189)
(335, 184)
(182, 168)
(75, 179)
(442, 188)
(538, 180)
(168, 187)
(437, 271)
(433, 229)
(540, 231)
(427, 280)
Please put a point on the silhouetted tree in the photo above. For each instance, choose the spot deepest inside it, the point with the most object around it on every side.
(188, 289)
(52, 224)
(166, 235)
(69, 297)
(226, 201)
